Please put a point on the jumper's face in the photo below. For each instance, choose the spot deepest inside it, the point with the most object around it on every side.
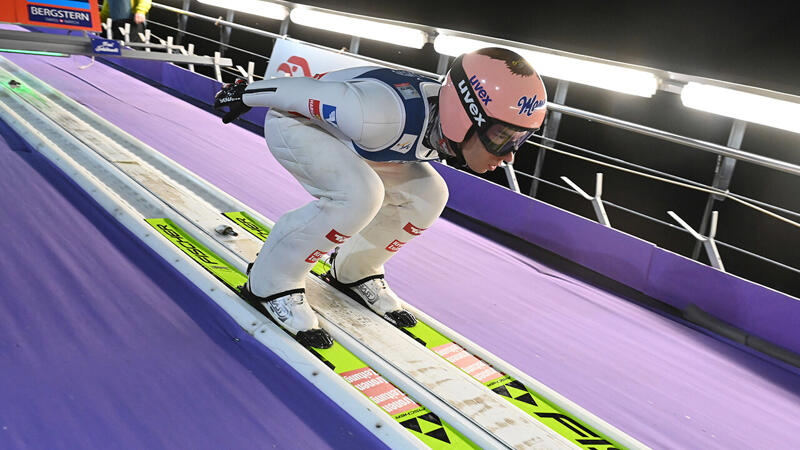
(479, 159)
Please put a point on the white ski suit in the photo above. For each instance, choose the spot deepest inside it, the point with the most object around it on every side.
(354, 140)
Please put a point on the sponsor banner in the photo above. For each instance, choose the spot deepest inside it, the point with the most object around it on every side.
(294, 59)
(102, 46)
(69, 14)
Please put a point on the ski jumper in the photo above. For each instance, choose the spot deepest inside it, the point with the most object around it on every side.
(354, 141)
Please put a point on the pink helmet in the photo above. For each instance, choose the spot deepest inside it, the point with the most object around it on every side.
(496, 93)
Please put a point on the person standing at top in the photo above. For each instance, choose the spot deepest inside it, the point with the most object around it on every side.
(360, 141)
(121, 12)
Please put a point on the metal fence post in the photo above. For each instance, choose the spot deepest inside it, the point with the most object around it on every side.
(722, 177)
(225, 32)
(550, 131)
(182, 20)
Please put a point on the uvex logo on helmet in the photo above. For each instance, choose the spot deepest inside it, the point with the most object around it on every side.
(477, 116)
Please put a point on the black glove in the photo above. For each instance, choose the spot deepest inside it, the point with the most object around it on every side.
(231, 96)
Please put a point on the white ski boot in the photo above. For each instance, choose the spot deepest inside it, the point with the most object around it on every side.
(290, 310)
(374, 293)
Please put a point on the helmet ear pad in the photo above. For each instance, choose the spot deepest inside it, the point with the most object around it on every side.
(455, 121)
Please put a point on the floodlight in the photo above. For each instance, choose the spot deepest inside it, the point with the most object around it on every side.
(379, 31)
(592, 73)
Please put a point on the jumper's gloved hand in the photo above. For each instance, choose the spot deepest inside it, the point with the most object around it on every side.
(231, 96)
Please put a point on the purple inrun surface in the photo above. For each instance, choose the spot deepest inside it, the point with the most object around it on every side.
(661, 382)
(104, 345)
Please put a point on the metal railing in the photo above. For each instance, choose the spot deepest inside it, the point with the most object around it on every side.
(547, 140)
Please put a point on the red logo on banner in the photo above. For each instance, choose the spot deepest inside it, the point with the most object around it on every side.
(297, 62)
(315, 256)
(336, 237)
(313, 108)
(395, 245)
(411, 229)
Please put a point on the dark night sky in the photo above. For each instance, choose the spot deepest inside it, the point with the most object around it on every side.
(753, 43)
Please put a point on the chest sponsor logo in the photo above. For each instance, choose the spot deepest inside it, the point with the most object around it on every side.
(405, 143)
(529, 105)
(313, 108)
(407, 91)
(329, 114)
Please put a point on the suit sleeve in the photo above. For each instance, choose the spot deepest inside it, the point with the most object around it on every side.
(365, 111)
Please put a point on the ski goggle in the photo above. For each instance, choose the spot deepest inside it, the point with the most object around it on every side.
(502, 138)
(499, 137)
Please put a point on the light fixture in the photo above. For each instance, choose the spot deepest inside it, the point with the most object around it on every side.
(255, 7)
(742, 105)
(32, 52)
(606, 76)
(393, 34)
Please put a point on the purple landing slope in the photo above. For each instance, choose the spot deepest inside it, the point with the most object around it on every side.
(663, 383)
(104, 345)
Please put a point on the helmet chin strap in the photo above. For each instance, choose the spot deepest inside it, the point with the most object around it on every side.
(459, 154)
(435, 138)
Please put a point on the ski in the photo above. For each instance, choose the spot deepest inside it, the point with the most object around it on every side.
(416, 418)
(504, 385)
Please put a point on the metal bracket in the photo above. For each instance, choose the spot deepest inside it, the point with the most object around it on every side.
(444, 63)
(707, 242)
(126, 33)
(284, 31)
(145, 37)
(511, 176)
(597, 202)
(355, 42)
(248, 74)
(109, 31)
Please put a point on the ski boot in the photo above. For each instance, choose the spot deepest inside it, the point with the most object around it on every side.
(375, 294)
(231, 96)
(290, 310)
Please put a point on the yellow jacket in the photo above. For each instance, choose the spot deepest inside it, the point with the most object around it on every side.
(137, 6)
